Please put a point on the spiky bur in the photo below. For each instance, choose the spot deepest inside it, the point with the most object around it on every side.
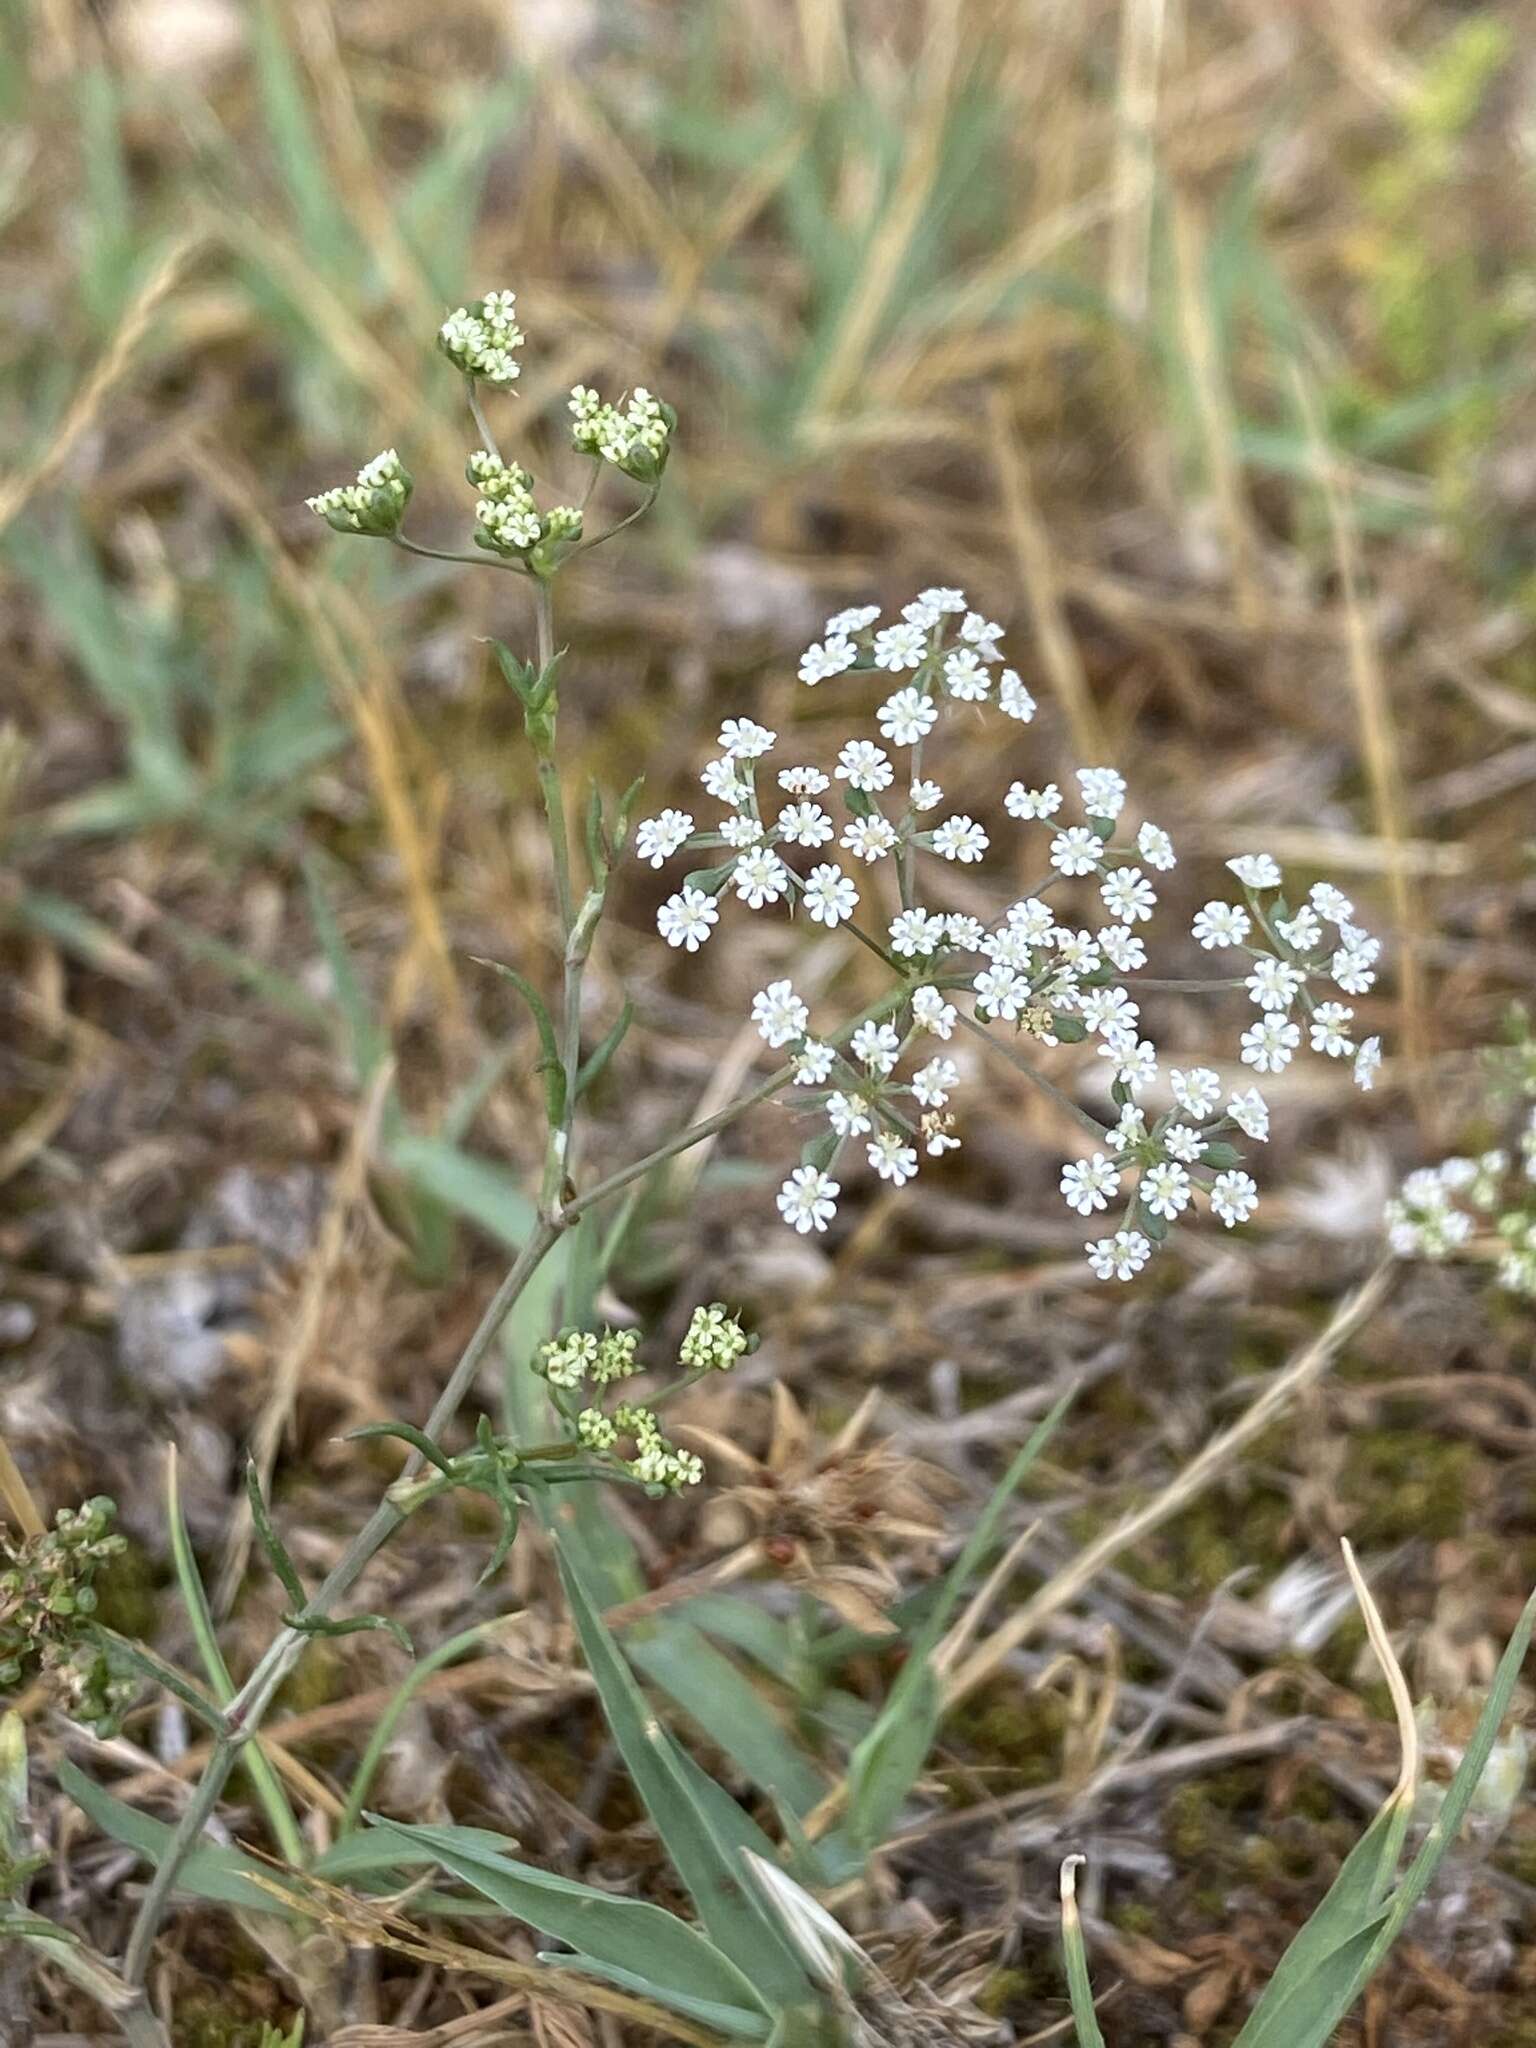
(47, 1599)
(1037, 969)
(1487, 1199)
(628, 1435)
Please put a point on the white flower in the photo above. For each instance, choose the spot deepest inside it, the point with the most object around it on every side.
(848, 1114)
(966, 933)
(925, 796)
(814, 1062)
(1089, 1184)
(1250, 1112)
(1104, 1010)
(724, 782)
(941, 599)
(931, 1013)
(779, 1014)
(656, 839)
(685, 919)
(827, 657)
(1234, 1196)
(1269, 1044)
(1001, 992)
(1103, 791)
(1013, 698)
(1076, 950)
(982, 634)
(1256, 871)
(870, 838)
(914, 932)
(1155, 847)
(830, 896)
(1128, 895)
(841, 624)
(760, 877)
(803, 781)
(1301, 932)
(1119, 1257)
(919, 612)
(938, 1138)
(900, 646)
(931, 1084)
(1351, 967)
(1032, 803)
(1331, 904)
(1368, 1060)
(1164, 1189)
(808, 1199)
(1327, 1030)
(1120, 946)
(1222, 924)
(1183, 1142)
(1195, 1089)
(1032, 918)
(741, 831)
(876, 1045)
(1009, 948)
(1134, 1061)
(964, 676)
(742, 739)
(805, 825)
(863, 765)
(1076, 851)
(960, 838)
(1274, 985)
(891, 1158)
(906, 717)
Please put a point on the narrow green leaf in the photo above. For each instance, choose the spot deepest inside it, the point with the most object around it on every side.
(732, 1917)
(408, 1433)
(1085, 2020)
(271, 1542)
(621, 1932)
(212, 1871)
(596, 1062)
(732, 2020)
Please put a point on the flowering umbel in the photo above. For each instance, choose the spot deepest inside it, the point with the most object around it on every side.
(818, 840)
(374, 505)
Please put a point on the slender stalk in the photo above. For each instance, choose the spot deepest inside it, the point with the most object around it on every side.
(482, 428)
(480, 561)
(1089, 1122)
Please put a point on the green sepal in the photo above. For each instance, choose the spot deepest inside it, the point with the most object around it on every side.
(1070, 1030)
(1221, 1156)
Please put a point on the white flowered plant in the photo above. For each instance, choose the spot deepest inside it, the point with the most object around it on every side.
(1485, 1202)
(856, 845)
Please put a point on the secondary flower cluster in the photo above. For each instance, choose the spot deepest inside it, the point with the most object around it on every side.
(1439, 1209)
(630, 1433)
(636, 440)
(508, 521)
(47, 1595)
(480, 339)
(374, 505)
(843, 844)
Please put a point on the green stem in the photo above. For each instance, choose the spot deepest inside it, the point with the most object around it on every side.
(487, 438)
(479, 561)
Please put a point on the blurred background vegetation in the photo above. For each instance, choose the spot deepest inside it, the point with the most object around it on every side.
(1192, 339)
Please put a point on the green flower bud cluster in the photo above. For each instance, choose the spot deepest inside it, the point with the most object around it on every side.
(714, 1340)
(479, 339)
(655, 1461)
(636, 441)
(47, 1596)
(509, 523)
(578, 1355)
(374, 505)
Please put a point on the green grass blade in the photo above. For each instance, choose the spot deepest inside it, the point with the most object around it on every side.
(214, 1872)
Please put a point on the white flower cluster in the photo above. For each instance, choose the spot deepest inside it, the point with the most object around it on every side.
(713, 1341)
(479, 339)
(374, 504)
(636, 440)
(825, 842)
(1439, 1208)
(508, 522)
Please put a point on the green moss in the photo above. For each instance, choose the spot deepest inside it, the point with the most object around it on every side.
(1022, 1731)
(1005, 1992)
(1203, 1547)
(1406, 1483)
(206, 2021)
